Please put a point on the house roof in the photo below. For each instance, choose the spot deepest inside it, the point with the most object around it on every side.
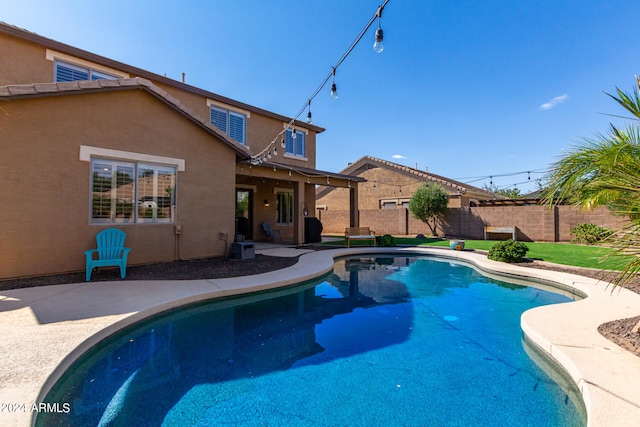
(369, 162)
(91, 57)
(312, 173)
(38, 90)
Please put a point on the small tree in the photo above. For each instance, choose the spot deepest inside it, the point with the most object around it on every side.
(429, 203)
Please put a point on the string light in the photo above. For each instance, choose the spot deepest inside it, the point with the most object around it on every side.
(377, 44)
(471, 179)
(258, 158)
(334, 88)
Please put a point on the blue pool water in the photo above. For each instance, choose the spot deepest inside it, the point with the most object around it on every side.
(379, 342)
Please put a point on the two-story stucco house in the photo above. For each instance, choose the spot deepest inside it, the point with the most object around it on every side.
(90, 143)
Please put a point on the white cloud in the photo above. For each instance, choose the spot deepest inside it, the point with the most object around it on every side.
(398, 156)
(555, 101)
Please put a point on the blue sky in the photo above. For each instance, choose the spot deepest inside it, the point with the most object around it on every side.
(470, 89)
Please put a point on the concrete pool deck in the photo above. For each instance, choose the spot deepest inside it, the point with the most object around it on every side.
(45, 329)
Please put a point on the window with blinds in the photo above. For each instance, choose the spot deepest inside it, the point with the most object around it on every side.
(295, 147)
(128, 192)
(65, 72)
(230, 122)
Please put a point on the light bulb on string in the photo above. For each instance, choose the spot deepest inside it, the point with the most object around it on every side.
(377, 44)
(309, 113)
(334, 91)
(334, 88)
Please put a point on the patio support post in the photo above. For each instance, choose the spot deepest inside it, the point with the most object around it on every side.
(354, 217)
(298, 225)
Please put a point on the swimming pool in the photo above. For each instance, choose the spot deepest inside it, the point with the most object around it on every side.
(381, 341)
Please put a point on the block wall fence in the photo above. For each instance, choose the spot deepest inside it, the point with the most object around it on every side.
(535, 223)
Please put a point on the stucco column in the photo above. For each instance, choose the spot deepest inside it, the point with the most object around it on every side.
(298, 226)
(354, 218)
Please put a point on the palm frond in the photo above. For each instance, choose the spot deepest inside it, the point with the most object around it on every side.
(630, 102)
(605, 171)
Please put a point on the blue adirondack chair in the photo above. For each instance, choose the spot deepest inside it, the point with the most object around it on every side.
(266, 227)
(111, 252)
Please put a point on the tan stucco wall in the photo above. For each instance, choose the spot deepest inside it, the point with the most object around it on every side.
(45, 193)
(23, 62)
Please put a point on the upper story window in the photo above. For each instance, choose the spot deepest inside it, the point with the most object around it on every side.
(297, 146)
(65, 72)
(232, 123)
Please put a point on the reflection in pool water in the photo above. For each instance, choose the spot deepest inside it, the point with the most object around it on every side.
(381, 341)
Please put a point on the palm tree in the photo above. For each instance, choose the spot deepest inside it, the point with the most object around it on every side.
(605, 171)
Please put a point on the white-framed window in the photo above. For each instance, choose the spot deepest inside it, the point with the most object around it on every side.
(65, 72)
(126, 192)
(284, 207)
(230, 122)
(297, 146)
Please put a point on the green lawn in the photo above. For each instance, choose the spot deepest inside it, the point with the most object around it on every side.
(558, 253)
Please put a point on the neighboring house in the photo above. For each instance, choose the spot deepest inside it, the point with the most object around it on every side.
(91, 143)
(390, 185)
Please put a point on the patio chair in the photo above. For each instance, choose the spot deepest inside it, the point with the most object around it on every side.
(266, 227)
(111, 252)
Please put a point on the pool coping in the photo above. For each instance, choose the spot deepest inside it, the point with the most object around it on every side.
(46, 329)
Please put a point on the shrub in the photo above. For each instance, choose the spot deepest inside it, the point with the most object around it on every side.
(508, 251)
(589, 234)
(386, 240)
